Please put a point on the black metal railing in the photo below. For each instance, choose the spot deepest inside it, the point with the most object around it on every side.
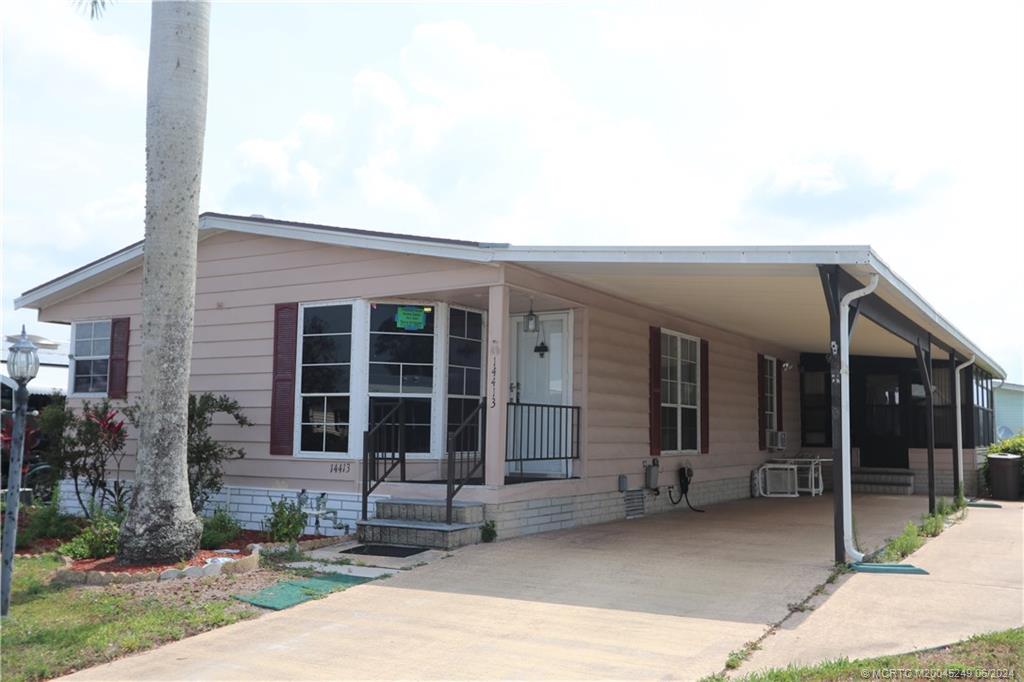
(467, 453)
(542, 433)
(383, 450)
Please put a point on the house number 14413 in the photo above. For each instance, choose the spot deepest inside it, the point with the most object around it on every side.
(341, 467)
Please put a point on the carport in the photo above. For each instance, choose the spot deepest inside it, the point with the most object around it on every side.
(811, 299)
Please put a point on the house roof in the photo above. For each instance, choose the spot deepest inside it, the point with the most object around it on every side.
(663, 276)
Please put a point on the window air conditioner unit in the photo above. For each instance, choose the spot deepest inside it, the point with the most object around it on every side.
(776, 440)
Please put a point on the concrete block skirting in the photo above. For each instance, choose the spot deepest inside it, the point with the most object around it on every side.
(512, 519)
(250, 506)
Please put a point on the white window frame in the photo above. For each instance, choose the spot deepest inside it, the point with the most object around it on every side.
(771, 374)
(73, 360)
(679, 407)
(353, 443)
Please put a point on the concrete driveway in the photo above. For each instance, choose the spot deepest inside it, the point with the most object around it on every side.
(666, 596)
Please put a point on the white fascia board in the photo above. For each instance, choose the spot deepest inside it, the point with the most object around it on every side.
(377, 243)
(919, 302)
(707, 255)
(91, 275)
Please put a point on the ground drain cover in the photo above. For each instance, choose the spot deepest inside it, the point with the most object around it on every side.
(384, 550)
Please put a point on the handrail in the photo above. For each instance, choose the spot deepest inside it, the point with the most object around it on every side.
(456, 480)
(383, 445)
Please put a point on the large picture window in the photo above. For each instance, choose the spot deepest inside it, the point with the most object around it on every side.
(401, 365)
(325, 376)
(90, 357)
(680, 392)
(465, 360)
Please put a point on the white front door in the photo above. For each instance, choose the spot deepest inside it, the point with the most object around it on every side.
(540, 378)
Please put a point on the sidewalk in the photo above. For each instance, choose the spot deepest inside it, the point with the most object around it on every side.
(976, 574)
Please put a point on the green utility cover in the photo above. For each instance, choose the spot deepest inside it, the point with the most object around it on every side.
(887, 568)
(292, 592)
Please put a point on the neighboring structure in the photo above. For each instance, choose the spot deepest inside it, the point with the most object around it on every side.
(1009, 412)
(531, 385)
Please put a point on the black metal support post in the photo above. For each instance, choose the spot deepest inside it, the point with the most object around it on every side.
(830, 284)
(366, 474)
(924, 363)
(957, 454)
(13, 493)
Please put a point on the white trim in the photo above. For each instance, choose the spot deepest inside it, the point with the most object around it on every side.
(297, 450)
(73, 360)
(697, 408)
(863, 256)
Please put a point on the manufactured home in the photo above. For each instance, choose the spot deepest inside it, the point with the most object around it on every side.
(427, 385)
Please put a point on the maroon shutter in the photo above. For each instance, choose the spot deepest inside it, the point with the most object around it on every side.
(282, 399)
(761, 444)
(117, 369)
(778, 395)
(655, 386)
(705, 414)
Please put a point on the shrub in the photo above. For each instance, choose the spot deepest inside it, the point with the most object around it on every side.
(286, 521)
(47, 521)
(206, 456)
(488, 533)
(933, 524)
(219, 529)
(944, 508)
(97, 540)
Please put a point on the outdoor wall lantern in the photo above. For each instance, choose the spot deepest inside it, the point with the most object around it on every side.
(22, 366)
(530, 323)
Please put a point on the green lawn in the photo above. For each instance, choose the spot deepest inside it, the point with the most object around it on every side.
(53, 630)
(992, 653)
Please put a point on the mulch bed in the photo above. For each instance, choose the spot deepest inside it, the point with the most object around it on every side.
(40, 546)
(246, 538)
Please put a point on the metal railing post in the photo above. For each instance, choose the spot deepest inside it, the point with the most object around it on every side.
(451, 479)
(366, 474)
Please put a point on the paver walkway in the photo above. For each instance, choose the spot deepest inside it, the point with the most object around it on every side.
(975, 585)
(667, 596)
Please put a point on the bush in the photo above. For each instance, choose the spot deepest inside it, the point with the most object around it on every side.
(47, 521)
(97, 540)
(488, 533)
(933, 524)
(286, 522)
(206, 456)
(219, 529)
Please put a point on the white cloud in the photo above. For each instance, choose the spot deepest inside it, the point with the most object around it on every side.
(54, 30)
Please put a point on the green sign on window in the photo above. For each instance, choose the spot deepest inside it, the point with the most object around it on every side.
(411, 318)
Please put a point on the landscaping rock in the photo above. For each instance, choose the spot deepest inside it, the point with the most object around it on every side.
(98, 578)
(243, 565)
(170, 574)
(212, 569)
(65, 576)
(192, 572)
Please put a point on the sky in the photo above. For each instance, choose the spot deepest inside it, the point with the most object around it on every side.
(898, 125)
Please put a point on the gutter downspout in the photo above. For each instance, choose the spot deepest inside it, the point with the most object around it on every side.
(959, 421)
(844, 373)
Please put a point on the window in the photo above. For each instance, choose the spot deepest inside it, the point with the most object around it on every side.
(984, 423)
(768, 401)
(324, 377)
(90, 356)
(465, 360)
(680, 392)
(401, 365)
(815, 398)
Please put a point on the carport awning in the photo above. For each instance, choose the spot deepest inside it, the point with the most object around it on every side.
(771, 293)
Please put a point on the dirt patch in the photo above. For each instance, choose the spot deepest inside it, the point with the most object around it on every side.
(40, 546)
(110, 565)
(199, 590)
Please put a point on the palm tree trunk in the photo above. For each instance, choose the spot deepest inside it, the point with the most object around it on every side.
(160, 525)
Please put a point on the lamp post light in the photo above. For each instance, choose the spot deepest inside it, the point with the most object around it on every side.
(22, 366)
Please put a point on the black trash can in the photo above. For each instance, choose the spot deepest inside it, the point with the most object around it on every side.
(1004, 474)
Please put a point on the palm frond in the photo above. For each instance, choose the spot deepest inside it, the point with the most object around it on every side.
(95, 7)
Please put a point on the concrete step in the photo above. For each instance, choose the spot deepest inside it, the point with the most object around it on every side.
(883, 488)
(429, 510)
(900, 477)
(419, 533)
